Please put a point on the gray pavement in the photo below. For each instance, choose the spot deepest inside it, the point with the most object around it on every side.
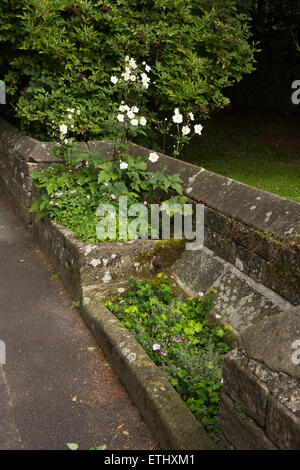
(56, 386)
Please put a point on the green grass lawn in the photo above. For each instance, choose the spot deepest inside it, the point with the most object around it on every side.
(252, 146)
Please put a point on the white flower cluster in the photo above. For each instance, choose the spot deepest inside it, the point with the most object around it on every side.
(178, 119)
(70, 118)
(132, 74)
(131, 114)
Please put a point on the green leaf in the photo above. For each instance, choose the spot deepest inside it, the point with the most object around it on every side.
(104, 447)
(35, 206)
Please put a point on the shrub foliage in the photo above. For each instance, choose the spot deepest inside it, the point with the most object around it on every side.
(57, 53)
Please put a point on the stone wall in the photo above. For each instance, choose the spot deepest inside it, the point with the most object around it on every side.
(260, 405)
(256, 231)
(251, 249)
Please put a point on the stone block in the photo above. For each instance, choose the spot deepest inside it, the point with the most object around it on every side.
(244, 387)
(283, 427)
(271, 341)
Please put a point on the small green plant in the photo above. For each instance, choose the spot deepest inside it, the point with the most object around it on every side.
(74, 305)
(179, 339)
(74, 189)
(55, 276)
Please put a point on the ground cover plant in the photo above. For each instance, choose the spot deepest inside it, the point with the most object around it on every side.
(180, 340)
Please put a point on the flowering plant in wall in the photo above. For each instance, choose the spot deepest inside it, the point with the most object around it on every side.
(74, 189)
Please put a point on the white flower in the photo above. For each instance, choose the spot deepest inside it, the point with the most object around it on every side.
(127, 69)
(143, 121)
(191, 116)
(198, 129)
(95, 262)
(156, 347)
(126, 76)
(135, 109)
(147, 68)
(114, 80)
(123, 108)
(132, 63)
(123, 165)
(145, 77)
(130, 114)
(177, 118)
(70, 116)
(78, 112)
(120, 117)
(186, 130)
(153, 157)
(63, 129)
(70, 110)
(66, 141)
(133, 78)
(145, 80)
(127, 58)
(134, 122)
(176, 111)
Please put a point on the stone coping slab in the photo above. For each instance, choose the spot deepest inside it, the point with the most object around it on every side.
(274, 341)
(239, 300)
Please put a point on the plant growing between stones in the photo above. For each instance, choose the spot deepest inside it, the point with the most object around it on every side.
(179, 339)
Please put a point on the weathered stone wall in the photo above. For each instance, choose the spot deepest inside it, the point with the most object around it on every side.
(260, 406)
(255, 231)
(19, 156)
(239, 301)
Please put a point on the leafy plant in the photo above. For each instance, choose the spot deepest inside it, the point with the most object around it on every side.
(55, 54)
(87, 185)
(180, 340)
(72, 193)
